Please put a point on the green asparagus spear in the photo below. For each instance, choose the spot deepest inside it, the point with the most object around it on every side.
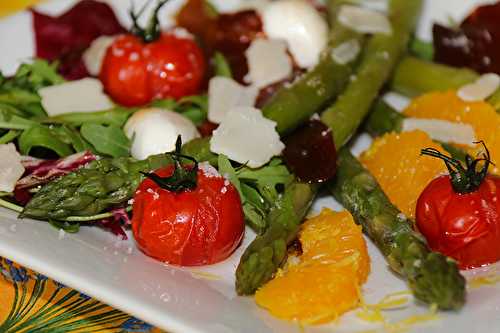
(103, 184)
(415, 76)
(432, 277)
(380, 57)
(263, 257)
(267, 252)
(384, 119)
(317, 87)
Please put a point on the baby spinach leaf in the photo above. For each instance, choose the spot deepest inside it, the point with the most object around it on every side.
(42, 136)
(109, 140)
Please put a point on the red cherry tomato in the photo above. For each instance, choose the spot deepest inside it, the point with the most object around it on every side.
(134, 72)
(465, 227)
(190, 228)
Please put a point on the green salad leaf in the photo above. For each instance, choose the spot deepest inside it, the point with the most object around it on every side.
(116, 116)
(109, 140)
(258, 188)
(44, 137)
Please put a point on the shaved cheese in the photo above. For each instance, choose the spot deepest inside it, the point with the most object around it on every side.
(94, 55)
(85, 95)
(300, 25)
(154, 131)
(225, 94)
(442, 130)
(480, 90)
(268, 62)
(246, 136)
(11, 168)
(346, 52)
(364, 20)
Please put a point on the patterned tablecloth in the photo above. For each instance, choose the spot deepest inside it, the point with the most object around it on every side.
(31, 302)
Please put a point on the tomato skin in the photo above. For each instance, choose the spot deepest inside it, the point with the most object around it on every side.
(191, 228)
(465, 227)
(134, 73)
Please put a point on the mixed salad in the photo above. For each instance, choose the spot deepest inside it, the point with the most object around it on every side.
(187, 134)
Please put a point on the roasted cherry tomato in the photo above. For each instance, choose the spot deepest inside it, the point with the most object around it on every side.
(459, 214)
(147, 64)
(198, 225)
(134, 72)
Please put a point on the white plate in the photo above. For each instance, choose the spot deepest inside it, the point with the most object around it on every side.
(182, 300)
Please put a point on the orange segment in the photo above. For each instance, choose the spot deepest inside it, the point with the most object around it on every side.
(395, 161)
(480, 115)
(325, 280)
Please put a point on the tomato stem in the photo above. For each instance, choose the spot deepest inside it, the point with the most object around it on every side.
(152, 31)
(468, 178)
(183, 178)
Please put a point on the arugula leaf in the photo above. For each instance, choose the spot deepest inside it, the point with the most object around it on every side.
(116, 116)
(42, 136)
(9, 136)
(70, 135)
(109, 140)
(266, 177)
(34, 76)
(13, 121)
(221, 65)
(195, 107)
(228, 172)
(258, 188)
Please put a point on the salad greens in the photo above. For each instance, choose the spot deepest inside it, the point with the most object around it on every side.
(23, 118)
(259, 188)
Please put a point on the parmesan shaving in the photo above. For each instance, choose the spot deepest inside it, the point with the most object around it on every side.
(225, 94)
(346, 52)
(268, 62)
(364, 20)
(85, 95)
(246, 136)
(94, 55)
(11, 168)
(481, 89)
(442, 130)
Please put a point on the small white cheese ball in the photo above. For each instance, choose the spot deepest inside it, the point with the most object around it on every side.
(300, 25)
(11, 168)
(94, 55)
(154, 131)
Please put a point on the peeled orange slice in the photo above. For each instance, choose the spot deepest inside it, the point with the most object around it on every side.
(480, 115)
(325, 280)
(395, 162)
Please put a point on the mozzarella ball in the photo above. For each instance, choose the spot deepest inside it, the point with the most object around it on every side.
(154, 131)
(300, 25)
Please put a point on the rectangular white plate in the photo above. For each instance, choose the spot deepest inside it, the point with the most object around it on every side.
(184, 300)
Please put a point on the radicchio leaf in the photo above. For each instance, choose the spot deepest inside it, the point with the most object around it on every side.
(64, 38)
(39, 172)
(115, 224)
